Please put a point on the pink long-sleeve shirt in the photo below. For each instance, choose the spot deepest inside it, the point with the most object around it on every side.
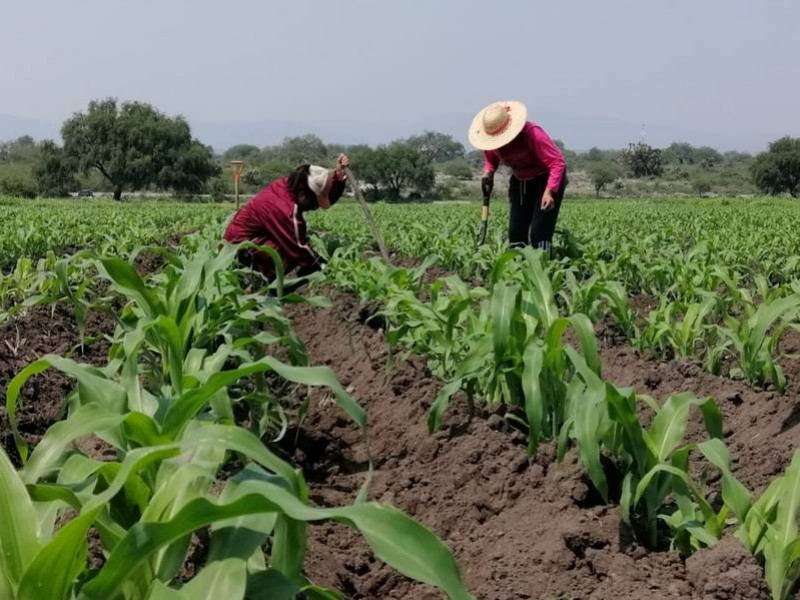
(530, 155)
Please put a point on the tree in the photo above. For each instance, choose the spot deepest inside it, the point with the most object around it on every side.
(21, 150)
(54, 173)
(458, 169)
(702, 185)
(643, 160)
(395, 168)
(778, 169)
(602, 174)
(305, 149)
(570, 156)
(17, 185)
(437, 147)
(246, 152)
(476, 159)
(734, 157)
(189, 169)
(686, 154)
(707, 157)
(679, 153)
(134, 146)
(595, 154)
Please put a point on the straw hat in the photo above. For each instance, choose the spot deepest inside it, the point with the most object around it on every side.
(497, 124)
(320, 182)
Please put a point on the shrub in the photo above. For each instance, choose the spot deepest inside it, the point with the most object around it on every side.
(17, 185)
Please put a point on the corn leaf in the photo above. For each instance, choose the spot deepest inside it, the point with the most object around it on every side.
(18, 541)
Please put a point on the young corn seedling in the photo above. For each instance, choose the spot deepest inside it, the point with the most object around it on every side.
(438, 328)
(653, 462)
(769, 531)
(519, 360)
(754, 340)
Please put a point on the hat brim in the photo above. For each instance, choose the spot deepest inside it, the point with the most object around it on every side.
(482, 140)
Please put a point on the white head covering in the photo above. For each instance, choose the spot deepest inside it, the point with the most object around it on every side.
(320, 181)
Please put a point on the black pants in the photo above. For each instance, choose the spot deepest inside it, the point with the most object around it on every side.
(528, 223)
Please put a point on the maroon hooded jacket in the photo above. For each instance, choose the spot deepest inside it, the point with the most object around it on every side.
(273, 218)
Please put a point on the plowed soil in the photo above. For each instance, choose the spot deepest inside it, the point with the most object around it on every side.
(520, 529)
(39, 331)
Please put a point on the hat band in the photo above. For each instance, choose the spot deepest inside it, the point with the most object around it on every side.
(504, 126)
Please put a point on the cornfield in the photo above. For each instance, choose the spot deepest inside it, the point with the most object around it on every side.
(205, 386)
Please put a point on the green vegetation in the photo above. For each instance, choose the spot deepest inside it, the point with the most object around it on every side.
(778, 170)
(426, 166)
(192, 370)
(134, 146)
(721, 297)
(191, 386)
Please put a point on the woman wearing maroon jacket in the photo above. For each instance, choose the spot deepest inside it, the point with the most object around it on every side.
(274, 217)
(538, 178)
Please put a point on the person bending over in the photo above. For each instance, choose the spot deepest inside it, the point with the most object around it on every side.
(538, 170)
(274, 218)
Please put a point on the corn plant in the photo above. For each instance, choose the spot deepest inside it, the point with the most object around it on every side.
(653, 461)
(146, 505)
(595, 297)
(769, 530)
(436, 327)
(755, 340)
(519, 360)
(172, 433)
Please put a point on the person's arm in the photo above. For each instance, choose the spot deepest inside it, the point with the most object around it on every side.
(550, 155)
(338, 179)
(307, 260)
(338, 187)
(490, 162)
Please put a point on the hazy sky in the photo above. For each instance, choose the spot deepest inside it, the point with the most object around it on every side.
(708, 65)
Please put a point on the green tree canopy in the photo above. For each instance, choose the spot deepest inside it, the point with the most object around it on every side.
(246, 152)
(595, 154)
(459, 169)
(134, 146)
(24, 149)
(298, 150)
(603, 173)
(437, 147)
(54, 173)
(681, 153)
(778, 169)
(643, 160)
(394, 169)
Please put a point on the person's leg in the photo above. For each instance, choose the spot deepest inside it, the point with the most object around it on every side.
(543, 223)
(520, 213)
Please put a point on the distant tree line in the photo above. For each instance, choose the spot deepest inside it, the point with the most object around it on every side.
(404, 168)
(131, 146)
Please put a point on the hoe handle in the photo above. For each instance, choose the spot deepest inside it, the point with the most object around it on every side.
(376, 233)
(486, 188)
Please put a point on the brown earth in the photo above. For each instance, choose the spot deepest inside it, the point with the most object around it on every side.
(519, 528)
(39, 331)
(52, 330)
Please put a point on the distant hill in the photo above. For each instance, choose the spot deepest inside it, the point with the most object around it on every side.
(577, 131)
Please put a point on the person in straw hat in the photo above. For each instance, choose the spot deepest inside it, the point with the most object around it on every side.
(538, 170)
(274, 218)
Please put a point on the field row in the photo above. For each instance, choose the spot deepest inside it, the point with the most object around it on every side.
(162, 436)
(513, 331)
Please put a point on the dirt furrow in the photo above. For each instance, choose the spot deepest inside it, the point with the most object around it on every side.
(520, 528)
